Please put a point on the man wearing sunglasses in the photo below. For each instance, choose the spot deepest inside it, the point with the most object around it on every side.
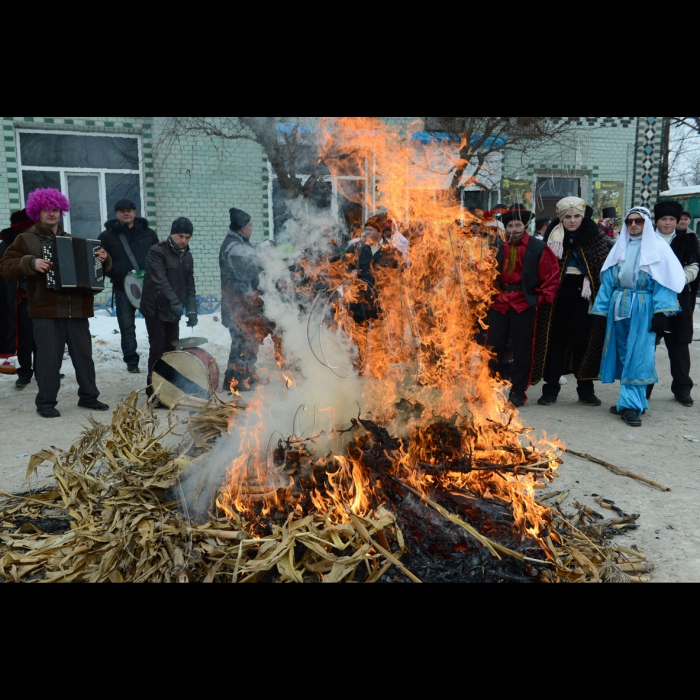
(679, 335)
(639, 291)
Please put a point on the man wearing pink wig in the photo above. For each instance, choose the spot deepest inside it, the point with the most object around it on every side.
(60, 317)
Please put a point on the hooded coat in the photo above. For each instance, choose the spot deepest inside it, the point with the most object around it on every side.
(141, 238)
(592, 251)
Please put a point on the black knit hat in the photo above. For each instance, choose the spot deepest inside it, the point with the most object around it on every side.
(20, 217)
(673, 209)
(182, 225)
(239, 219)
(124, 204)
(517, 213)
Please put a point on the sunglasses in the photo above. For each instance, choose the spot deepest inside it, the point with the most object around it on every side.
(634, 222)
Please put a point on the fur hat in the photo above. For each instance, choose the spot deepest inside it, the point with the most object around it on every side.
(673, 209)
(239, 219)
(48, 199)
(182, 225)
(517, 213)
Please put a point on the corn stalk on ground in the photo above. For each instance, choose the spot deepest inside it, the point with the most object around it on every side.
(112, 518)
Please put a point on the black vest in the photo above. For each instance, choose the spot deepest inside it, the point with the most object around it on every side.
(531, 268)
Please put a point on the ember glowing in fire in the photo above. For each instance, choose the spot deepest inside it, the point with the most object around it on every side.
(435, 417)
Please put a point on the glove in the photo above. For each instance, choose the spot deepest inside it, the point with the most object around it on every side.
(659, 324)
(177, 311)
(600, 323)
(192, 320)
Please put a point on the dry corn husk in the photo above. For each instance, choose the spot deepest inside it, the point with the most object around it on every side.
(114, 495)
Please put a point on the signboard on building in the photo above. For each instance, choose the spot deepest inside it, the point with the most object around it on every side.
(517, 192)
(609, 194)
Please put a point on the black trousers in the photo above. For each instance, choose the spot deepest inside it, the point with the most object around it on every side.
(26, 352)
(679, 355)
(161, 335)
(51, 336)
(571, 328)
(521, 327)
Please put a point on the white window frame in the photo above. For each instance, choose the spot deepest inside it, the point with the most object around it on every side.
(335, 208)
(64, 172)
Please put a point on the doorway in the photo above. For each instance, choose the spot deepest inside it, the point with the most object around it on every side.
(551, 190)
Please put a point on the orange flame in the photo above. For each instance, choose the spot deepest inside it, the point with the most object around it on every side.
(423, 356)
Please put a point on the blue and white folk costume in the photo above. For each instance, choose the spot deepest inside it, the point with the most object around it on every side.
(641, 278)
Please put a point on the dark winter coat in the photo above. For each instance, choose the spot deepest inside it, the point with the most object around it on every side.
(140, 238)
(686, 246)
(8, 303)
(593, 251)
(45, 302)
(240, 269)
(366, 263)
(169, 282)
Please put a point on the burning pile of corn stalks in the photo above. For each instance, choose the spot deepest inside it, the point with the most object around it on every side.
(117, 514)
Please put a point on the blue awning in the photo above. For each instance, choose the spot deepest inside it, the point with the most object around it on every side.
(427, 137)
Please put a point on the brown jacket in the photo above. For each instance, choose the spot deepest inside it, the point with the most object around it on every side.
(44, 302)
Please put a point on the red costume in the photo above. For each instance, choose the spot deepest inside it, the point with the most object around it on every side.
(529, 279)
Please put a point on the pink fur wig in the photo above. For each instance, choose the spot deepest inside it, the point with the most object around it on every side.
(48, 199)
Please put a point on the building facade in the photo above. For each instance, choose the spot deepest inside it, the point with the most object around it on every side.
(610, 161)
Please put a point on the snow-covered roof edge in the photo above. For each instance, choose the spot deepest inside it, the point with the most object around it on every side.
(681, 191)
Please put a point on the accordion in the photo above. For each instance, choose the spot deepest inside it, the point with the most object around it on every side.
(74, 264)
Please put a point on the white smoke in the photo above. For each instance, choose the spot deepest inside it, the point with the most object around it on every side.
(320, 400)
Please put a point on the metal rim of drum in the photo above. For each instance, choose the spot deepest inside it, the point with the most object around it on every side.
(133, 287)
(176, 386)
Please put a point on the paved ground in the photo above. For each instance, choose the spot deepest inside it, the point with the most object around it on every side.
(660, 450)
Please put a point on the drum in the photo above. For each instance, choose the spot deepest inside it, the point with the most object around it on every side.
(133, 287)
(185, 373)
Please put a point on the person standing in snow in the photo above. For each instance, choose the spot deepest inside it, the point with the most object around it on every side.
(168, 290)
(16, 330)
(125, 238)
(59, 317)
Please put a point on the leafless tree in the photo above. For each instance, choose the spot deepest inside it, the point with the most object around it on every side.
(288, 142)
(482, 136)
(684, 148)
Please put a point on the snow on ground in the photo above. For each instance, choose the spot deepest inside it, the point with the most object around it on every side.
(106, 343)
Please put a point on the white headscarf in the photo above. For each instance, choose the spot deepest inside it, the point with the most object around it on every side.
(657, 258)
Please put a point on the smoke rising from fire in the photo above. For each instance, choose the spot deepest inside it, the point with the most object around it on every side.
(420, 370)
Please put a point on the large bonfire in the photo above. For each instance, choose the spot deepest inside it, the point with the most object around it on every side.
(383, 449)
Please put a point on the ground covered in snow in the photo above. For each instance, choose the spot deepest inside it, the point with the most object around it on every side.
(663, 450)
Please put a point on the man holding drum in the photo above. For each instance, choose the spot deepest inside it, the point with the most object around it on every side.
(127, 239)
(168, 290)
